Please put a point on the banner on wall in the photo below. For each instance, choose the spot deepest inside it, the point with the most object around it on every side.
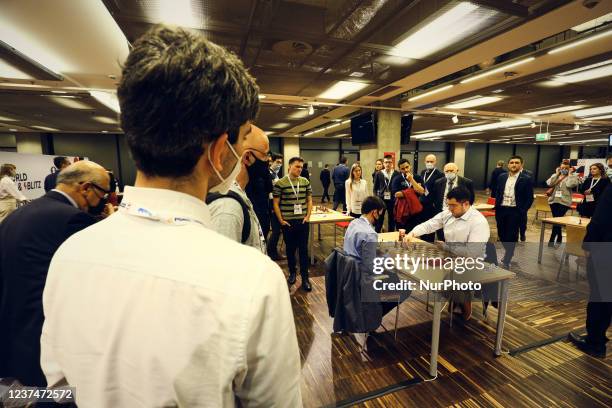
(583, 165)
(392, 154)
(31, 171)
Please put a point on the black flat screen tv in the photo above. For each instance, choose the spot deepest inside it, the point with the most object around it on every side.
(406, 129)
(363, 129)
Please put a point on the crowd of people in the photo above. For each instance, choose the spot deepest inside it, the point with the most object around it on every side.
(139, 306)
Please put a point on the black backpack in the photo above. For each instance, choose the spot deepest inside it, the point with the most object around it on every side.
(246, 226)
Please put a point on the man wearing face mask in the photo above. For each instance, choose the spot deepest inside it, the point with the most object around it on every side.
(451, 180)
(168, 296)
(233, 214)
(430, 175)
(30, 236)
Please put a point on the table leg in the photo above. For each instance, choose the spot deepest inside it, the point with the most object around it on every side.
(319, 230)
(541, 242)
(310, 239)
(501, 316)
(435, 334)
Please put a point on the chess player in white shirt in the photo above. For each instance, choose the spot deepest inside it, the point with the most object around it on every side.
(466, 230)
(151, 307)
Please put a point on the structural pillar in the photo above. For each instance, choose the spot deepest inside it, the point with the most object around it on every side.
(387, 140)
(291, 148)
(458, 156)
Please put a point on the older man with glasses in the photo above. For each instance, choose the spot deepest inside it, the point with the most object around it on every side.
(30, 236)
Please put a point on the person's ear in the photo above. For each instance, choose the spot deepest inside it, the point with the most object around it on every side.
(218, 150)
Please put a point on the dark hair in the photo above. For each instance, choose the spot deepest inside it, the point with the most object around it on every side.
(276, 156)
(602, 169)
(565, 162)
(343, 160)
(58, 161)
(388, 156)
(402, 161)
(461, 194)
(516, 157)
(378, 160)
(179, 91)
(294, 159)
(608, 157)
(372, 203)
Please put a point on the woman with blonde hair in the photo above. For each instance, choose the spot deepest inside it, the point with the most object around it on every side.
(356, 191)
(9, 193)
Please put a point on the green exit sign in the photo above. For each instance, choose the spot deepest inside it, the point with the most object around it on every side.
(542, 137)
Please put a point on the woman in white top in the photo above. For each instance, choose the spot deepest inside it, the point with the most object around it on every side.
(9, 193)
(356, 191)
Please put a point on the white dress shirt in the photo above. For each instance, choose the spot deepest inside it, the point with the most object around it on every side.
(355, 194)
(509, 193)
(148, 313)
(8, 189)
(472, 227)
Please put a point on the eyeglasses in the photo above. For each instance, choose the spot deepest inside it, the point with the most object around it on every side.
(106, 192)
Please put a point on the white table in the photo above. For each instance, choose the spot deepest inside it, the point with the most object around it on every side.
(318, 218)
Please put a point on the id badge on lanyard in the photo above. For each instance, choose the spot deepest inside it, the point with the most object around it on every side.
(558, 194)
(589, 198)
(297, 207)
(387, 193)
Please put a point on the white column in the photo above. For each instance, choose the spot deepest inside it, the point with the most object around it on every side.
(291, 148)
(458, 156)
(387, 140)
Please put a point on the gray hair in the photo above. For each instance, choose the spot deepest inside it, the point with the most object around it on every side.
(83, 173)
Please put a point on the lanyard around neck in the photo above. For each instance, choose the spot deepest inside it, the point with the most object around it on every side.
(297, 193)
(143, 212)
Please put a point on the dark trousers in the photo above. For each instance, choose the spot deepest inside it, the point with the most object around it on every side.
(508, 224)
(354, 215)
(523, 228)
(272, 245)
(296, 238)
(339, 196)
(264, 220)
(598, 319)
(390, 220)
(558, 210)
(428, 213)
(325, 193)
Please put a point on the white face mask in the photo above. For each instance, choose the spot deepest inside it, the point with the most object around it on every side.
(429, 166)
(609, 172)
(450, 176)
(225, 184)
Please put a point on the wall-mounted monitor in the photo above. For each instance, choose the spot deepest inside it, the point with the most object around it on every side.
(363, 129)
(406, 129)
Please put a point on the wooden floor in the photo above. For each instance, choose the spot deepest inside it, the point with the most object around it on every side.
(334, 369)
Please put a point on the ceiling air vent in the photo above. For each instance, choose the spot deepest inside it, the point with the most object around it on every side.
(292, 48)
(385, 90)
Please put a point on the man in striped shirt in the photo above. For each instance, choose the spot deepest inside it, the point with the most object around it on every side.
(293, 206)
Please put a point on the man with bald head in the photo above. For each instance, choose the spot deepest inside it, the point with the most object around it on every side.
(430, 175)
(30, 236)
(233, 214)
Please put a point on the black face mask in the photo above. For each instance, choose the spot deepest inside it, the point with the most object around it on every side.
(97, 210)
(259, 169)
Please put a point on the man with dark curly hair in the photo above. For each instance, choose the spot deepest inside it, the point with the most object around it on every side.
(152, 307)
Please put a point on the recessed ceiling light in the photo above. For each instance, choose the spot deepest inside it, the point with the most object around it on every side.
(13, 130)
(104, 119)
(593, 111)
(69, 103)
(59, 92)
(472, 112)
(105, 131)
(474, 101)
(490, 126)
(455, 119)
(311, 110)
(281, 125)
(48, 129)
(580, 42)
(587, 73)
(555, 110)
(7, 119)
(342, 89)
(551, 84)
(596, 22)
(435, 91)
(262, 96)
(445, 30)
(600, 117)
(497, 91)
(496, 70)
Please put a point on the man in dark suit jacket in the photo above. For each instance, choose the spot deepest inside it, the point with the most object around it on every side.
(511, 206)
(60, 163)
(494, 177)
(598, 243)
(451, 180)
(430, 176)
(382, 188)
(523, 228)
(30, 236)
